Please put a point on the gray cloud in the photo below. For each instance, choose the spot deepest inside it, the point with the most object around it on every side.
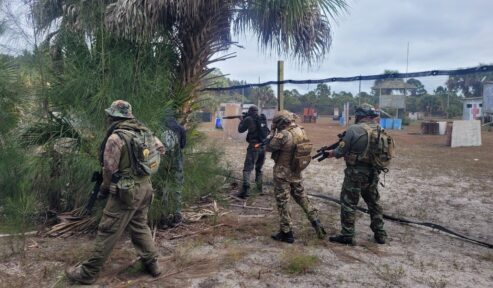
(373, 36)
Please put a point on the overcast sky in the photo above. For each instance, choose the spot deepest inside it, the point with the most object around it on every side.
(373, 36)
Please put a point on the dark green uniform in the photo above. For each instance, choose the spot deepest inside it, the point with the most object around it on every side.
(360, 178)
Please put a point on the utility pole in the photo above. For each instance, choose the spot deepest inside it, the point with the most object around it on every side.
(280, 87)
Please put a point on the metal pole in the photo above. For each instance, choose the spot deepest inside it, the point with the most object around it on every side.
(359, 91)
(280, 87)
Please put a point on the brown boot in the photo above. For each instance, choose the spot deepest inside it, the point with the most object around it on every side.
(75, 274)
(153, 268)
(348, 240)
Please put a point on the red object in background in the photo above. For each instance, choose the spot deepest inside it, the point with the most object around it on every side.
(309, 115)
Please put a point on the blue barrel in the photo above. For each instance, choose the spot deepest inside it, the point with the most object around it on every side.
(397, 124)
(387, 123)
(342, 121)
(219, 125)
(382, 123)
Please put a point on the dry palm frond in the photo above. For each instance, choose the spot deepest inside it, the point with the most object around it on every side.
(72, 223)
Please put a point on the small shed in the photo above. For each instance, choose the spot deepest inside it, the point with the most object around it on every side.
(472, 108)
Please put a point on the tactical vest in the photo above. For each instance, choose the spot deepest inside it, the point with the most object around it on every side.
(380, 148)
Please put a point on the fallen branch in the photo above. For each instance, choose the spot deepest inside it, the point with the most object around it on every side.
(253, 216)
(197, 232)
(251, 207)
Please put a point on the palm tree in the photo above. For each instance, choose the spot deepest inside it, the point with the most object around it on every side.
(196, 30)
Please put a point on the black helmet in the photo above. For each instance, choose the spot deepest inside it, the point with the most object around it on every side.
(252, 110)
(366, 110)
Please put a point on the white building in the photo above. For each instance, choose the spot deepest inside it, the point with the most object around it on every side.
(472, 108)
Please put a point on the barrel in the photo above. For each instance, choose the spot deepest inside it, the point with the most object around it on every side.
(397, 124)
(218, 123)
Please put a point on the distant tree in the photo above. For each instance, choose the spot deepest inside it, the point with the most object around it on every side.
(468, 85)
(420, 88)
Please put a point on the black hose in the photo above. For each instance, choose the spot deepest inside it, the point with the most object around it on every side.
(406, 221)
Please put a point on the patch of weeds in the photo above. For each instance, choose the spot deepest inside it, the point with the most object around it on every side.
(486, 257)
(135, 269)
(407, 235)
(296, 262)
(390, 275)
(234, 254)
(437, 283)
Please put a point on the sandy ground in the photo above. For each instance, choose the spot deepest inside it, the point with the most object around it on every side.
(428, 182)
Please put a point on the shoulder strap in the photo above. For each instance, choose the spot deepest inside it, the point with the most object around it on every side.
(368, 130)
(126, 135)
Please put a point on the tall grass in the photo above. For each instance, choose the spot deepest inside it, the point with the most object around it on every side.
(202, 176)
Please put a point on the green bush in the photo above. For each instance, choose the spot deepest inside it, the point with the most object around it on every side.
(17, 200)
(203, 175)
(297, 262)
(406, 121)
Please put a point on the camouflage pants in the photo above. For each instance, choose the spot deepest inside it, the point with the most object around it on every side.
(282, 189)
(174, 187)
(254, 158)
(360, 181)
(117, 216)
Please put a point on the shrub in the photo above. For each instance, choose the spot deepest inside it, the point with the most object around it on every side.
(297, 262)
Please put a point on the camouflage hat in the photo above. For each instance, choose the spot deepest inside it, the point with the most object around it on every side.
(366, 110)
(283, 116)
(121, 109)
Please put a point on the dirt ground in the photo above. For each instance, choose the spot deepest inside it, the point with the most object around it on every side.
(428, 181)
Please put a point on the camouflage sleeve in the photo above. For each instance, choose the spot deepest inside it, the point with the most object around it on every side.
(159, 146)
(344, 145)
(111, 156)
(278, 140)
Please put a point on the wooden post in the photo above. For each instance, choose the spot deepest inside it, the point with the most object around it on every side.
(280, 87)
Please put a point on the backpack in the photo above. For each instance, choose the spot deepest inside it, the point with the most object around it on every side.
(380, 149)
(141, 146)
(263, 129)
(301, 151)
(170, 141)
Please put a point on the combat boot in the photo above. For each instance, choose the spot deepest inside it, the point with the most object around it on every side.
(153, 268)
(347, 240)
(319, 229)
(380, 239)
(284, 237)
(75, 274)
(245, 192)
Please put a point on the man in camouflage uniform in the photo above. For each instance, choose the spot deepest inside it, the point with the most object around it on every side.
(174, 138)
(284, 135)
(361, 178)
(129, 199)
(255, 156)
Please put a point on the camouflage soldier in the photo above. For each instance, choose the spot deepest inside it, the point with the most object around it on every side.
(255, 156)
(174, 138)
(129, 198)
(287, 181)
(361, 177)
